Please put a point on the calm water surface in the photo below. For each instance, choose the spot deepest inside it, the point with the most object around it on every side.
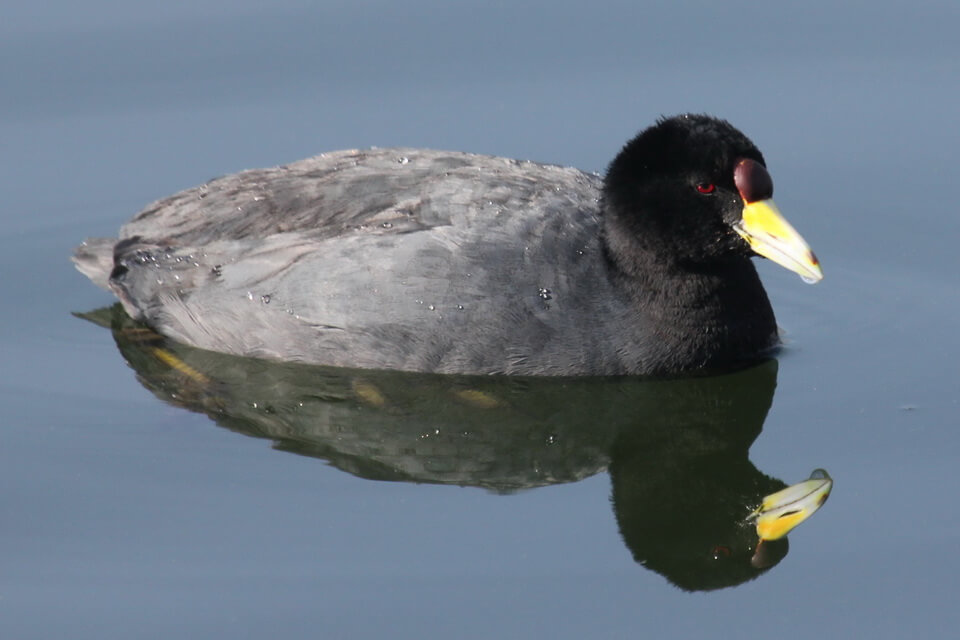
(238, 499)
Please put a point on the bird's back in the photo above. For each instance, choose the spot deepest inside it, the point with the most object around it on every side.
(393, 258)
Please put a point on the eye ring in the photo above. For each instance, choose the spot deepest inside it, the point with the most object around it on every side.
(706, 188)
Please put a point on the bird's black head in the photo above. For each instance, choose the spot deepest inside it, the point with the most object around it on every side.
(672, 194)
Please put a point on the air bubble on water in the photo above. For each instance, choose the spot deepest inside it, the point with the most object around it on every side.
(265, 298)
(820, 474)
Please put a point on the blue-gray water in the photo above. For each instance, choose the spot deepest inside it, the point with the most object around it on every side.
(127, 516)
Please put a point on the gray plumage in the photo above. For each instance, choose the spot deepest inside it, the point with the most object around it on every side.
(392, 258)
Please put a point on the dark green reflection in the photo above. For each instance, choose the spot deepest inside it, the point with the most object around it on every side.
(676, 449)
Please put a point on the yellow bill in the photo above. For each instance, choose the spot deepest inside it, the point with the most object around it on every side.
(780, 512)
(769, 234)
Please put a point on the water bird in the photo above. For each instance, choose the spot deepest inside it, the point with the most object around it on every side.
(450, 262)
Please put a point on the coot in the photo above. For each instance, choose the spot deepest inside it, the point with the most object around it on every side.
(451, 262)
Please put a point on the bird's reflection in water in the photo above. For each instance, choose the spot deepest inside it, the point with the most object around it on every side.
(676, 450)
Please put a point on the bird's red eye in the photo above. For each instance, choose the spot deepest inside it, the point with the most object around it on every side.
(721, 551)
(706, 187)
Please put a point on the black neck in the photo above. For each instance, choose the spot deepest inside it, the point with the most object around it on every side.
(695, 316)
